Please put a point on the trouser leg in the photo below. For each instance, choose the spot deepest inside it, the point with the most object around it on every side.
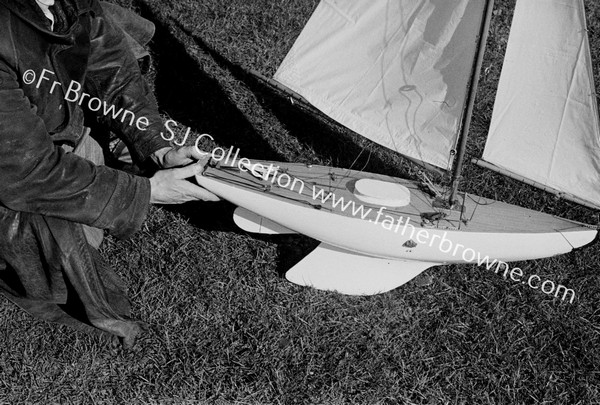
(50, 267)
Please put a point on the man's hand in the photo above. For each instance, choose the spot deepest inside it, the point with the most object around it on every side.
(171, 187)
(175, 157)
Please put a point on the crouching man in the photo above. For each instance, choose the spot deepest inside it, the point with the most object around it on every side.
(56, 196)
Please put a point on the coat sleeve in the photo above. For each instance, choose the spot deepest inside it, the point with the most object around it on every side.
(37, 176)
(113, 76)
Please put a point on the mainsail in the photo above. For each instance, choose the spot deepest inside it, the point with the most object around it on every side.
(396, 72)
(545, 121)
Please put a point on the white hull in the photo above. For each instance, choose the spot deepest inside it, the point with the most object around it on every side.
(373, 239)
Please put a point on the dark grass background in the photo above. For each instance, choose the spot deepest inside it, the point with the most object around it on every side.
(226, 328)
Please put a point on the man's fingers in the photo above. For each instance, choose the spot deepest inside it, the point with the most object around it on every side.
(183, 156)
(191, 152)
(188, 171)
(204, 160)
(191, 170)
(195, 153)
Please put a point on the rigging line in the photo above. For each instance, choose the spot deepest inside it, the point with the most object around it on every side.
(234, 174)
(353, 163)
(254, 187)
(324, 177)
(475, 209)
(480, 203)
(367, 162)
(429, 184)
(347, 170)
(477, 204)
(357, 157)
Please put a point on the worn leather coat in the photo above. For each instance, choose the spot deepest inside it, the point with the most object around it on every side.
(46, 193)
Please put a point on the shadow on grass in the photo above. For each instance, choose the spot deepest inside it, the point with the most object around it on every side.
(195, 99)
(219, 217)
(310, 127)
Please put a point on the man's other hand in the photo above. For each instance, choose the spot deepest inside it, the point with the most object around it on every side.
(176, 157)
(171, 187)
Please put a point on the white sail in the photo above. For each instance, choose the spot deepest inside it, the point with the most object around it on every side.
(545, 120)
(396, 71)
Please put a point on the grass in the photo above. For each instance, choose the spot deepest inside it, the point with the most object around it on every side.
(225, 327)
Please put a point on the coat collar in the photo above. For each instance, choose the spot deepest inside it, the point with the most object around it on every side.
(28, 11)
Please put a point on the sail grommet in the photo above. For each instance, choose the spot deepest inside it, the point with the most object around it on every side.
(383, 193)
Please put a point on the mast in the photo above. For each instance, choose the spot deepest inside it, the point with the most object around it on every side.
(462, 143)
